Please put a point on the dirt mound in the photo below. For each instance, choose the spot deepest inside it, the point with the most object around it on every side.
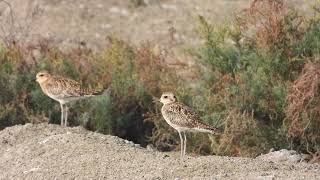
(45, 151)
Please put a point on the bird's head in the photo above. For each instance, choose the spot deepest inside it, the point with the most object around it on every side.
(168, 97)
(42, 76)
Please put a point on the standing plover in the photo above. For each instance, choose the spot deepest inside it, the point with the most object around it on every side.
(182, 118)
(63, 90)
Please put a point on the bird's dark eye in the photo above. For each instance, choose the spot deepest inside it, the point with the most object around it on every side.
(174, 97)
(165, 97)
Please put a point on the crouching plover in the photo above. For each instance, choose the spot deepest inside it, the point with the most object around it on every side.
(63, 90)
(182, 118)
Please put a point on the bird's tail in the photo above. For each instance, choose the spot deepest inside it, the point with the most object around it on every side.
(95, 92)
(202, 127)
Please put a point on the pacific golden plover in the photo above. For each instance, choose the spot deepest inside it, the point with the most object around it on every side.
(63, 90)
(182, 118)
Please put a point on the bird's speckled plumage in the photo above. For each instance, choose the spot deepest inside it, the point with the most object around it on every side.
(182, 118)
(63, 90)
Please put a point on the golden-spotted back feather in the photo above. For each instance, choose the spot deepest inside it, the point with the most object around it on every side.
(182, 118)
(65, 89)
(179, 115)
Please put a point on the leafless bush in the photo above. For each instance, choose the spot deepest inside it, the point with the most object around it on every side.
(13, 30)
(274, 25)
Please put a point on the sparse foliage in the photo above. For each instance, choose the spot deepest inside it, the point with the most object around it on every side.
(14, 31)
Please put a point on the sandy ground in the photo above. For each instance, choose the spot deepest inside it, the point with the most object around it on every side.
(45, 151)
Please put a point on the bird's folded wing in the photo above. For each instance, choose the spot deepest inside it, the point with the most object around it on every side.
(183, 115)
(64, 87)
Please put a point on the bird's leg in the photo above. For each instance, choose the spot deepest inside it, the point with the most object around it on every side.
(185, 143)
(62, 114)
(181, 141)
(66, 116)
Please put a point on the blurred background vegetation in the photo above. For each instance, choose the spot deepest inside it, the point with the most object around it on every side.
(256, 78)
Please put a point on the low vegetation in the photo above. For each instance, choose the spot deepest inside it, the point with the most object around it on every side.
(257, 80)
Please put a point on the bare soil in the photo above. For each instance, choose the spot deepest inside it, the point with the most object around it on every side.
(43, 151)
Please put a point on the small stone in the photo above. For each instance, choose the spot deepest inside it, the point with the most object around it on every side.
(165, 156)
(137, 145)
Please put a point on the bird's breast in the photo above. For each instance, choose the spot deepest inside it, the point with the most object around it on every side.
(168, 117)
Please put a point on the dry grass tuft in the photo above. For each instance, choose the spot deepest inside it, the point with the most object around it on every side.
(303, 111)
(242, 135)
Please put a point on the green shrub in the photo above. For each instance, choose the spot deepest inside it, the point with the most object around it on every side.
(249, 66)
